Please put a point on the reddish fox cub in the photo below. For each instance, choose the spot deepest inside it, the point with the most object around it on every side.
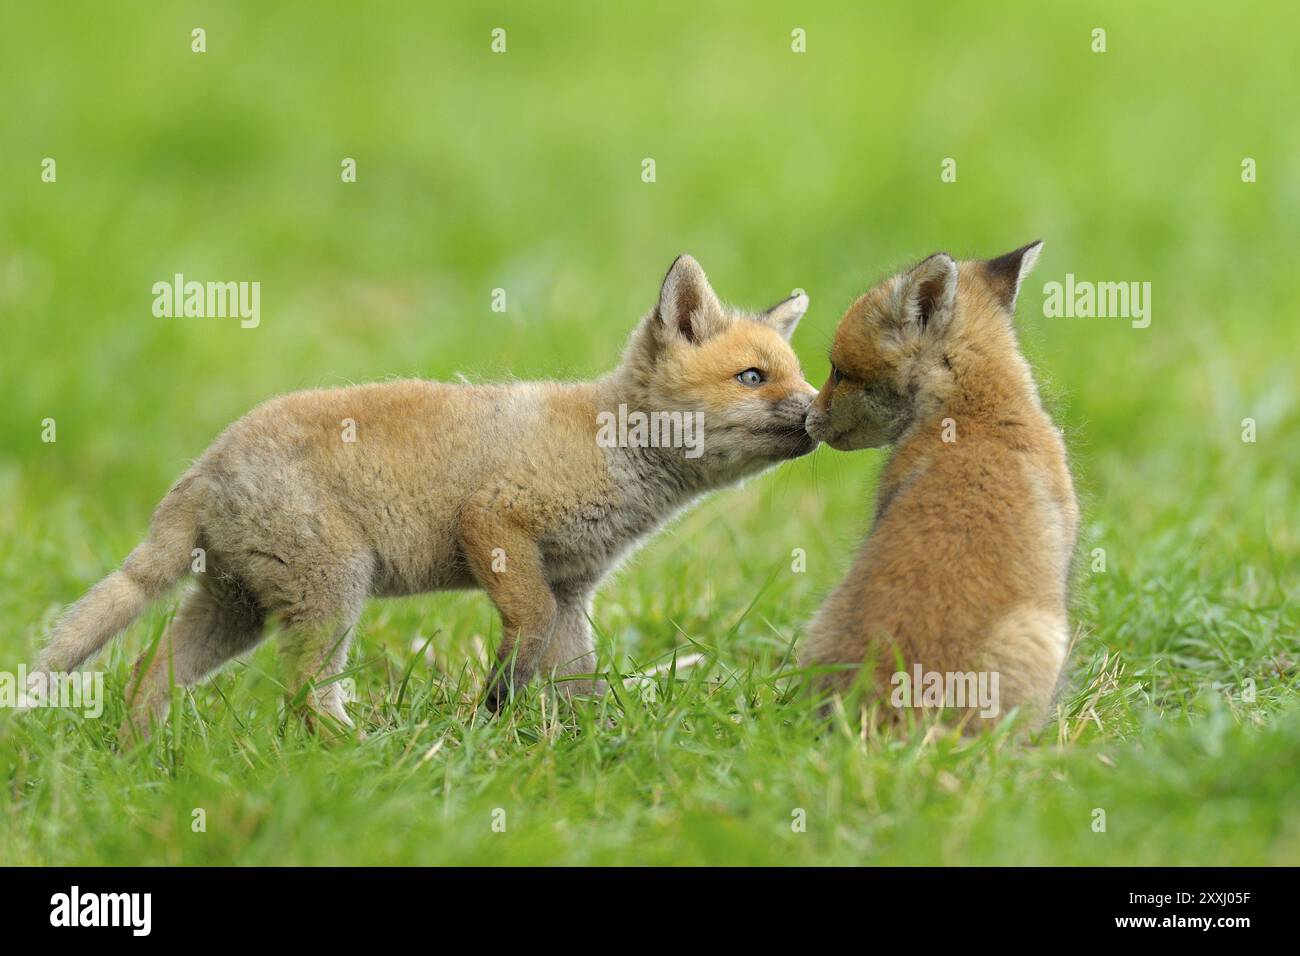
(958, 598)
(318, 500)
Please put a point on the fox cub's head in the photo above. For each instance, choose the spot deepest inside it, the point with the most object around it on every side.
(694, 354)
(899, 348)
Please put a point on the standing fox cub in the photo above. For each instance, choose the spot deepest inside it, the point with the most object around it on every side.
(963, 582)
(315, 501)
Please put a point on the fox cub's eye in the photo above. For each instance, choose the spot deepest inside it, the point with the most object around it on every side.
(750, 376)
(835, 375)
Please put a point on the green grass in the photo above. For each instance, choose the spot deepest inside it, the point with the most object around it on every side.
(776, 170)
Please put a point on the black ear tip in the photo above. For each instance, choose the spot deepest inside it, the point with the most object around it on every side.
(1020, 253)
(1011, 260)
(677, 261)
(1030, 251)
(936, 260)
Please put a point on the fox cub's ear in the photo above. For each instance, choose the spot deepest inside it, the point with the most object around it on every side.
(1005, 273)
(924, 297)
(784, 316)
(688, 308)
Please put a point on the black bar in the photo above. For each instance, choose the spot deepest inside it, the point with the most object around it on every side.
(341, 905)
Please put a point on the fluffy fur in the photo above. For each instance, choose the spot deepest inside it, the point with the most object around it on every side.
(499, 487)
(967, 566)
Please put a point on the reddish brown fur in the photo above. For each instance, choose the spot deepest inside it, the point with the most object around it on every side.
(966, 568)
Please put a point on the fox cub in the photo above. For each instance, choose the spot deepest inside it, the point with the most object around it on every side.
(318, 500)
(965, 574)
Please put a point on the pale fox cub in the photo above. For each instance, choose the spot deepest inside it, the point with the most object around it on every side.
(965, 574)
(318, 500)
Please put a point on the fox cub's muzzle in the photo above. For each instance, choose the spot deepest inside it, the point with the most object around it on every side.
(787, 425)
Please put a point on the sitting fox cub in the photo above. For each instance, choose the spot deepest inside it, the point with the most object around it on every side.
(965, 572)
(317, 500)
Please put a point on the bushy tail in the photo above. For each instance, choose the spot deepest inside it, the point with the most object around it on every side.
(149, 571)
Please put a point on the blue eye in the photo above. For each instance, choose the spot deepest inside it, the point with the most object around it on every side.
(750, 376)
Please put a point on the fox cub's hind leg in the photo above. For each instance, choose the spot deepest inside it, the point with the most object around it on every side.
(212, 626)
(315, 640)
(1028, 654)
(314, 653)
(571, 650)
(507, 564)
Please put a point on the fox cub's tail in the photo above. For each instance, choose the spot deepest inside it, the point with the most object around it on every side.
(157, 563)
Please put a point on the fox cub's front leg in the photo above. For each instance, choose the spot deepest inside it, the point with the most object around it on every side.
(570, 651)
(507, 564)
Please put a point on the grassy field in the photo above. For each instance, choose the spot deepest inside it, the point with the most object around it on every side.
(776, 169)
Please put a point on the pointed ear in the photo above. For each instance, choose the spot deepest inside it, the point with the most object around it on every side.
(784, 316)
(1005, 273)
(925, 296)
(688, 308)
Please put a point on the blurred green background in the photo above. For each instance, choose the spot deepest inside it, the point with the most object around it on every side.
(776, 169)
